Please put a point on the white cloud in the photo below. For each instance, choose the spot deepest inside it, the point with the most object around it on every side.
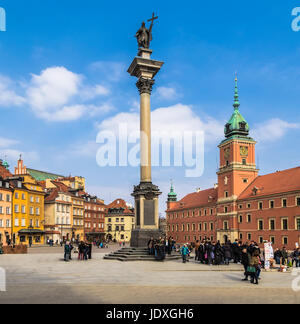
(52, 88)
(6, 142)
(179, 118)
(8, 95)
(167, 93)
(89, 93)
(272, 130)
(59, 95)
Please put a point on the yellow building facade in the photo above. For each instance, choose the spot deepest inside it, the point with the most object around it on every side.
(78, 216)
(119, 221)
(28, 211)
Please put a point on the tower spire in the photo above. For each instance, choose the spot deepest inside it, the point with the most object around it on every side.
(172, 196)
(236, 103)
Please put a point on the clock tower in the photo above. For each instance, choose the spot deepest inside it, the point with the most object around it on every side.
(237, 170)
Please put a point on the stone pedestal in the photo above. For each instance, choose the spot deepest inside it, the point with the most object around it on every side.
(146, 214)
(141, 237)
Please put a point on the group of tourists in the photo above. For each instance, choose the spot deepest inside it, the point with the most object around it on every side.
(161, 247)
(290, 259)
(211, 253)
(84, 250)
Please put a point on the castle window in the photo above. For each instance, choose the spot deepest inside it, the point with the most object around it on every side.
(249, 236)
(298, 201)
(272, 204)
(260, 205)
(227, 163)
(249, 206)
(226, 194)
(285, 240)
(241, 219)
(225, 226)
(249, 218)
(272, 239)
(245, 180)
(272, 224)
(285, 224)
(284, 203)
(225, 210)
(260, 225)
(244, 161)
(241, 236)
(298, 224)
(261, 240)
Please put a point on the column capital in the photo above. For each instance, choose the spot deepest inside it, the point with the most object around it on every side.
(145, 85)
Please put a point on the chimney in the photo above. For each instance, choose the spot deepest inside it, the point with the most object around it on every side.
(198, 190)
(216, 185)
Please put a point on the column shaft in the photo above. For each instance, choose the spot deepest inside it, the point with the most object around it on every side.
(145, 137)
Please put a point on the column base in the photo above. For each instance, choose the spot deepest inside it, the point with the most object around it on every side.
(141, 237)
(146, 206)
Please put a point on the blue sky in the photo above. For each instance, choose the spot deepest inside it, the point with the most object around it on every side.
(63, 77)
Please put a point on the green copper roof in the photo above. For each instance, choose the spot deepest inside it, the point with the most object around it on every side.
(6, 165)
(237, 124)
(172, 196)
(42, 176)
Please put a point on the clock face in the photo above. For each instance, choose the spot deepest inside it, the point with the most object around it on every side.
(227, 153)
(244, 150)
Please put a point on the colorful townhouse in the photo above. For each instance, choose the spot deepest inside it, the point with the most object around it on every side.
(28, 211)
(243, 205)
(58, 213)
(94, 217)
(6, 192)
(119, 221)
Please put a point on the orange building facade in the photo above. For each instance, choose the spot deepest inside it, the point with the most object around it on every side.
(242, 205)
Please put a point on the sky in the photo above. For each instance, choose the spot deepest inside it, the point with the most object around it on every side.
(63, 79)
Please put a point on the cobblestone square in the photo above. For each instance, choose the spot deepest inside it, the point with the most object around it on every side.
(44, 278)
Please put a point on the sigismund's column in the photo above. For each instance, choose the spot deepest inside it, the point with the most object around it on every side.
(146, 193)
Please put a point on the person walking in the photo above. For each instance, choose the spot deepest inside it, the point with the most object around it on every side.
(184, 252)
(255, 267)
(277, 256)
(284, 256)
(245, 259)
(227, 253)
(197, 245)
(67, 252)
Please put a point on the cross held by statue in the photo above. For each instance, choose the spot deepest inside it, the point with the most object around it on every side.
(152, 19)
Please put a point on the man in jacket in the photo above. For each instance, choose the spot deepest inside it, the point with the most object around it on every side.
(67, 252)
(245, 262)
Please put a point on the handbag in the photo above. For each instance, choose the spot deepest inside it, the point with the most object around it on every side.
(251, 269)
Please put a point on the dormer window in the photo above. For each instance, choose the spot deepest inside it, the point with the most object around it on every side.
(19, 184)
(243, 126)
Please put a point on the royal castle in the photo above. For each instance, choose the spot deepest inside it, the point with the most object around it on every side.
(243, 205)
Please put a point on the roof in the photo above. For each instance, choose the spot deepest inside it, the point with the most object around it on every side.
(118, 204)
(4, 173)
(197, 199)
(52, 195)
(41, 175)
(273, 183)
(61, 187)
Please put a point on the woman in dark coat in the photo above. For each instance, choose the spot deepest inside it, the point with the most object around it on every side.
(227, 253)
